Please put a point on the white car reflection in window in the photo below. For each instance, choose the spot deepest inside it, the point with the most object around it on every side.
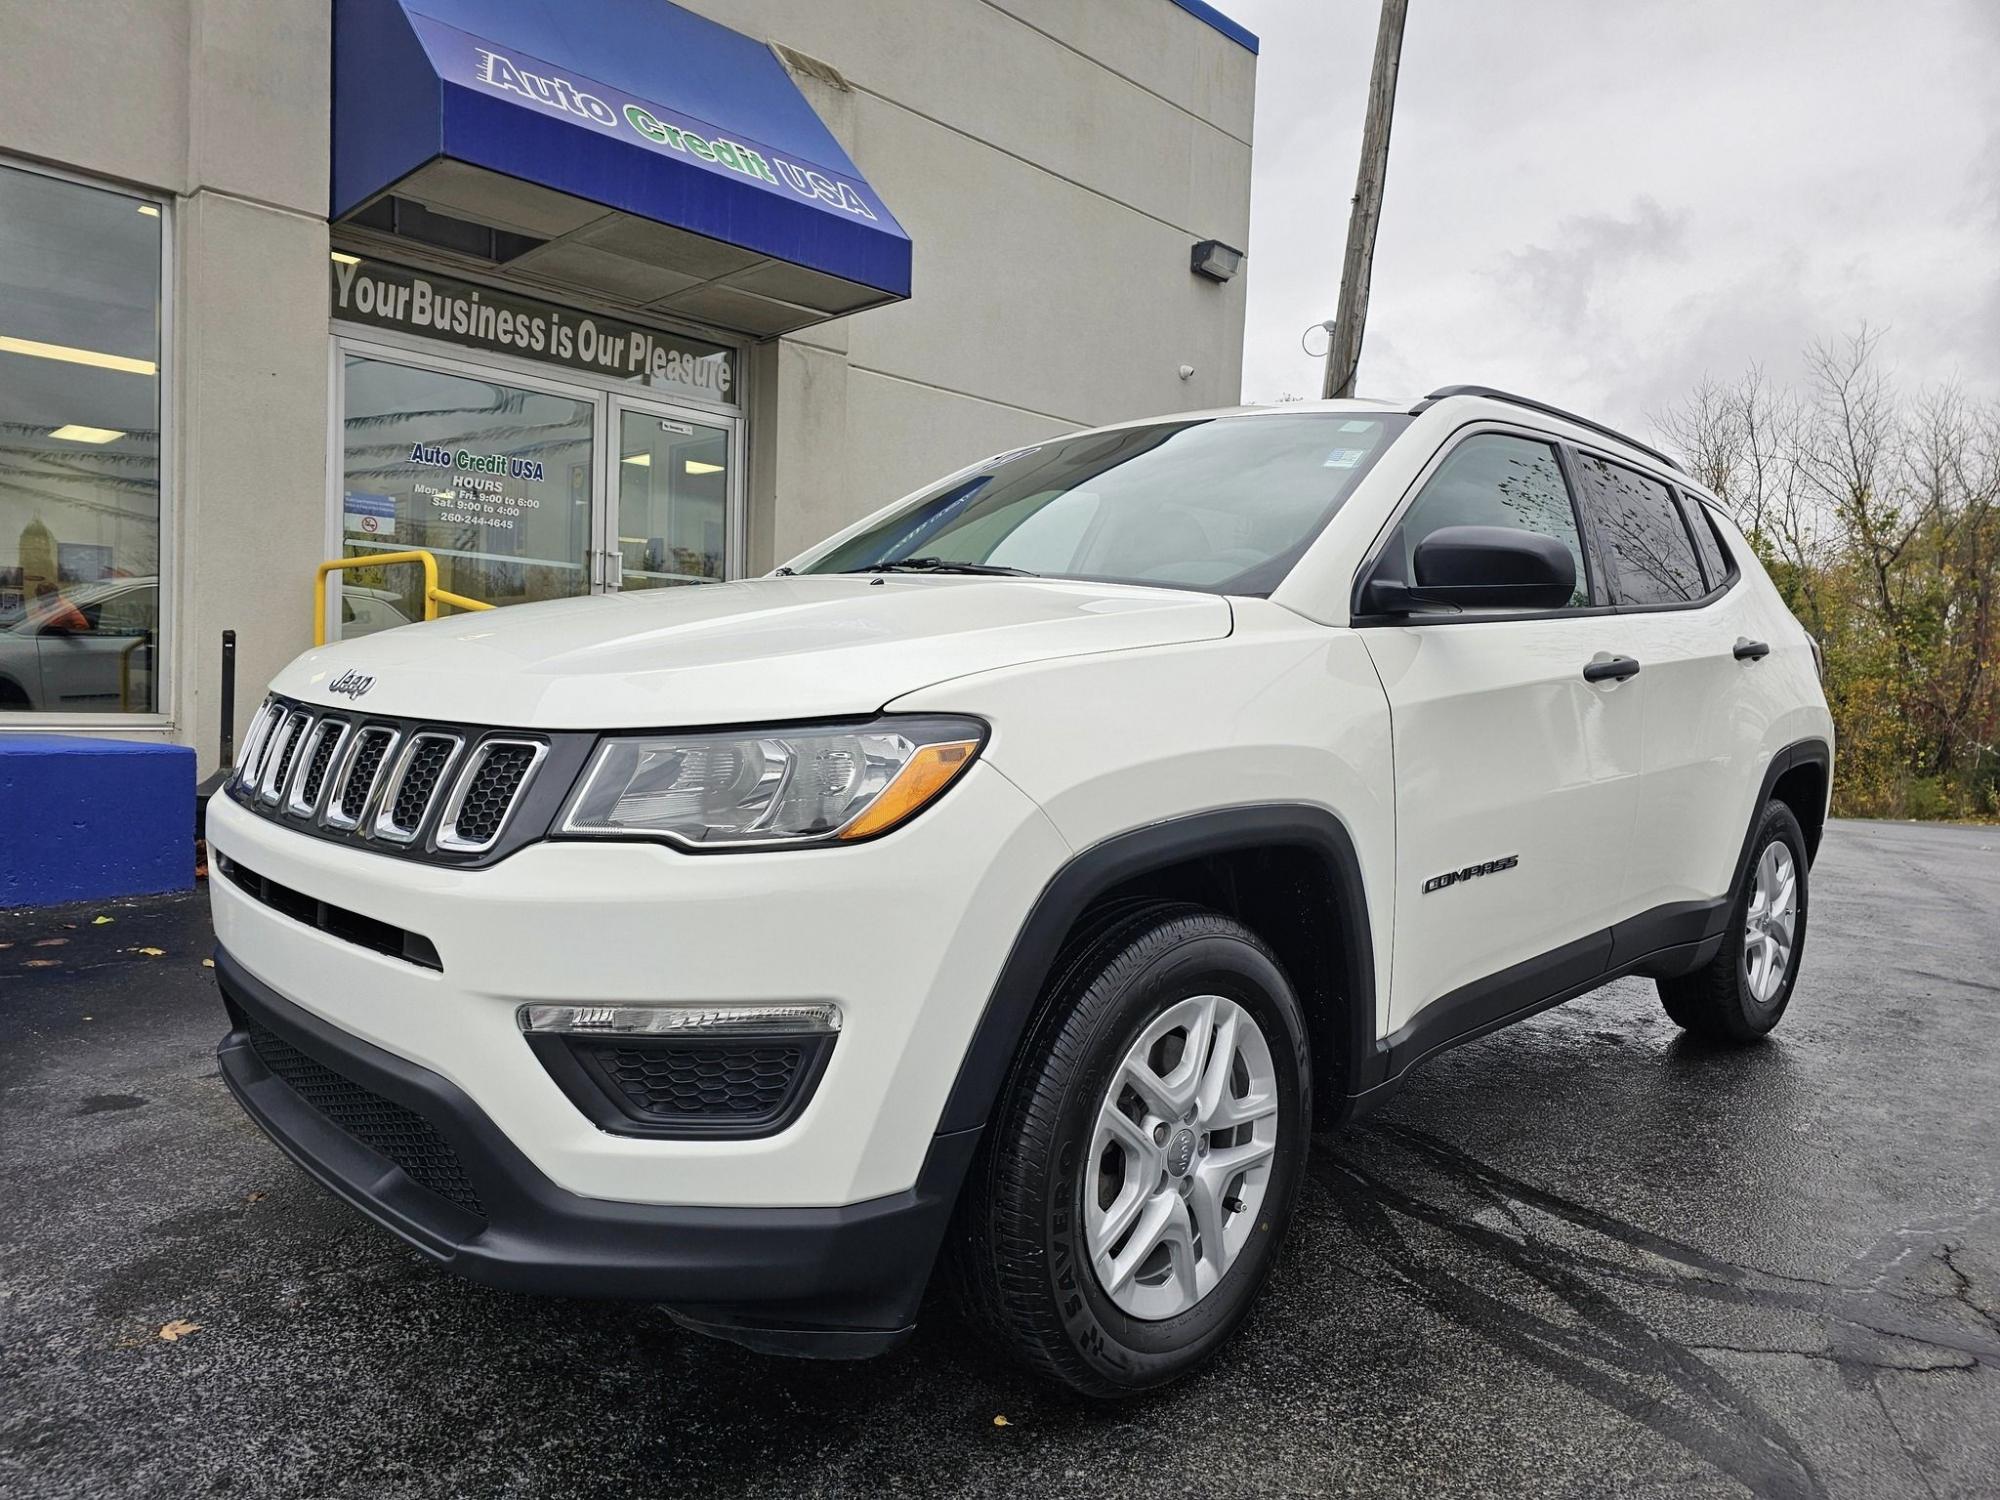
(86, 648)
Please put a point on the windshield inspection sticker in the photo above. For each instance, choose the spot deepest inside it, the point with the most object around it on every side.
(1009, 456)
(1344, 458)
(1357, 426)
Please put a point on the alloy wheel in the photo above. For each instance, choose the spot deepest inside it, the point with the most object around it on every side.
(1771, 923)
(1182, 1149)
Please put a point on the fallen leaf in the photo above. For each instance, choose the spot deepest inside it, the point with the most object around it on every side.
(1002, 1422)
(43, 963)
(90, 1018)
(49, 942)
(253, 1197)
(178, 1328)
(208, 963)
(6, 945)
(151, 952)
(102, 921)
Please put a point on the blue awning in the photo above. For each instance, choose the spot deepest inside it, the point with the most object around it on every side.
(627, 148)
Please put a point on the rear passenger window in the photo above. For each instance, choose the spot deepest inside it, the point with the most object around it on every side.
(1651, 559)
(1713, 558)
(1495, 481)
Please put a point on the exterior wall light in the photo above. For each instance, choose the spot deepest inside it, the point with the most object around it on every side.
(1215, 260)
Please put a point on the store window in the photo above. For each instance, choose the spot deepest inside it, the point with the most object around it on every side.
(493, 479)
(80, 487)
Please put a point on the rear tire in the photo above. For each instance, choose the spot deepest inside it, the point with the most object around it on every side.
(1140, 1169)
(1739, 995)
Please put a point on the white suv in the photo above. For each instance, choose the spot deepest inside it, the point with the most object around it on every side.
(1015, 881)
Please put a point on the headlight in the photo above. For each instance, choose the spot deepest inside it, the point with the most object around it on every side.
(763, 787)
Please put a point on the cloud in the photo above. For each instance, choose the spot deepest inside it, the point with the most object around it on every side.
(1599, 203)
(1588, 251)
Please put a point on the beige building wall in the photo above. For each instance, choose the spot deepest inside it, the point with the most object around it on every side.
(1054, 164)
(1053, 161)
(224, 105)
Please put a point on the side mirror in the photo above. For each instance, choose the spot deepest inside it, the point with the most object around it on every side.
(1479, 567)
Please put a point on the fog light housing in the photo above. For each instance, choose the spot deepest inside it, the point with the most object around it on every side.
(685, 1071)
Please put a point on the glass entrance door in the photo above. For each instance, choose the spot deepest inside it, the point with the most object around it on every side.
(522, 487)
(675, 487)
(494, 479)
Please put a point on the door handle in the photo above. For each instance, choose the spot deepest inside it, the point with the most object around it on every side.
(1749, 650)
(1615, 668)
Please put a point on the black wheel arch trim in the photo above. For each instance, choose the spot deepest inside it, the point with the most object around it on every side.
(1805, 752)
(1128, 856)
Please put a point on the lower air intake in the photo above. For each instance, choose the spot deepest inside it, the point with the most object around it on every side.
(385, 1127)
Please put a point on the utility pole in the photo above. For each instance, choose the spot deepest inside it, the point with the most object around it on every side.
(1343, 350)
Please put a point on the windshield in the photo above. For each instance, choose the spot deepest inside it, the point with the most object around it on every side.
(1226, 504)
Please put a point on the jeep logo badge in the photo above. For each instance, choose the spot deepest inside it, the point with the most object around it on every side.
(351, 684)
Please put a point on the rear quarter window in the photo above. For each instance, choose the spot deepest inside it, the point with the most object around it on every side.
(1708, 542)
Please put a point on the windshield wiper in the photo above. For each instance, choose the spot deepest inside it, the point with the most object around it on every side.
(943, 565)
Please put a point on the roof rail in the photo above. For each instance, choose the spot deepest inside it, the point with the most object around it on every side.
(1548, 411)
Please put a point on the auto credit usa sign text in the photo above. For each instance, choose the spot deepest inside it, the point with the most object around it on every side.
(536, 84)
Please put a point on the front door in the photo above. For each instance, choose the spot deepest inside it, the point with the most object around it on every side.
(675, 485)
(1516, 778)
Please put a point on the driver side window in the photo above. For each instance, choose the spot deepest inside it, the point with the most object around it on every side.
(1495, 480)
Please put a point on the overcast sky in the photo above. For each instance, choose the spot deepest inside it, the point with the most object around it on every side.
(1595, 201)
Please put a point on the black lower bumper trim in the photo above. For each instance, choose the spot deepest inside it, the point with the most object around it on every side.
(837, 1282)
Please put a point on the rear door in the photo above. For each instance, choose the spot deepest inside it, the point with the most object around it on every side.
(1516, 778)
(1705, 720)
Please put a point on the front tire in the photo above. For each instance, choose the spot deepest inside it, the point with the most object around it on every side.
(1139, 1173)
(1739, 995)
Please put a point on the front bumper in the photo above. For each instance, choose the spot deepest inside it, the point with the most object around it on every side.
(415, 1154)
(905, 934)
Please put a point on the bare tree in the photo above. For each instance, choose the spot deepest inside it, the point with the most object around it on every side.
(1879, 512)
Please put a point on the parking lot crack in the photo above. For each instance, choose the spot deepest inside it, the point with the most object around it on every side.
(1902, 1440)
(1963, 1288)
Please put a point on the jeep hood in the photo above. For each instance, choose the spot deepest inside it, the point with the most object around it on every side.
(764, 649)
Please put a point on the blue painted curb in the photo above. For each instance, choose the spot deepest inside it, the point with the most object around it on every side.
(85, 819)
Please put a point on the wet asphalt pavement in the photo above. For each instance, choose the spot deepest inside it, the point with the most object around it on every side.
(1581, 1257)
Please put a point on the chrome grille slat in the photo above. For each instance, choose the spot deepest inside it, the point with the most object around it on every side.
(413, 786)
(278, 760)
(487, 791)
(255, 741)
(359, 772)
(322, 747)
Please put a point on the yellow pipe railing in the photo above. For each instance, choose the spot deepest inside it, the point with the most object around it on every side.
(433, 595)
(125, 673)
